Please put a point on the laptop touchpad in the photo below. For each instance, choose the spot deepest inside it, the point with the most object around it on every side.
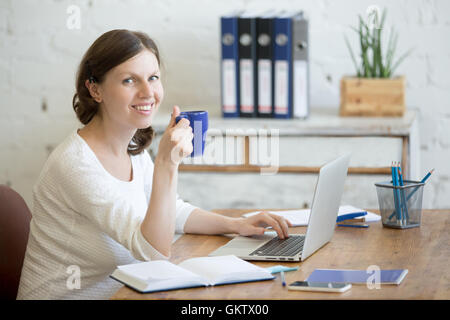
(241, 242)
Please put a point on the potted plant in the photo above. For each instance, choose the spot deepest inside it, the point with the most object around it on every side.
(374, 91)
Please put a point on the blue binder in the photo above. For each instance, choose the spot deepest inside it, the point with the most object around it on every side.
(282, 53)
(230, 66)
(248, 98)
(264, 55)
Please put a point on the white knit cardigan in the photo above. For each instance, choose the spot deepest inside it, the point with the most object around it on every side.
(85, 223)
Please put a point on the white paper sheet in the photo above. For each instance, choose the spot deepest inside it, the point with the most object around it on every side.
(301, 217)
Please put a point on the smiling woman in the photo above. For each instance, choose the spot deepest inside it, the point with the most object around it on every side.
(100, 201)
(108, 51)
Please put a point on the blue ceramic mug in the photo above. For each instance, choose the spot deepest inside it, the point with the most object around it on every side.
(199, 124)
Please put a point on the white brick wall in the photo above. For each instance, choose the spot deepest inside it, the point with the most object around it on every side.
(39, 56)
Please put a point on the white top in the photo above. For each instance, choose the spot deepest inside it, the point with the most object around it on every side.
(86, 222)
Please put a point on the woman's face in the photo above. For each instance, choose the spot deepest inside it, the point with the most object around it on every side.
(131, 92)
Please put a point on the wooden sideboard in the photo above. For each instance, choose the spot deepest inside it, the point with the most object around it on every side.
(274, 163)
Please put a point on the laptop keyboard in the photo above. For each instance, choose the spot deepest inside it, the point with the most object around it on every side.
(281, 247)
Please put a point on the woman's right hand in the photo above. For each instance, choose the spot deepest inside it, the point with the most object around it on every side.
(176, 142)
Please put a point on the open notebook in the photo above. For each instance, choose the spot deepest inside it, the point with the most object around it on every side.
(161, 275)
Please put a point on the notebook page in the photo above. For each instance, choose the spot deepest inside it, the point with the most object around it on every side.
(223, 269)
(155, 270)
(295, 217)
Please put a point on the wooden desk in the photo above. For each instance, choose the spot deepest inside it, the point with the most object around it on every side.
(424, 251)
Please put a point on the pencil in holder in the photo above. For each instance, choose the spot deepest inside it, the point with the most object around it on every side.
(400, 206)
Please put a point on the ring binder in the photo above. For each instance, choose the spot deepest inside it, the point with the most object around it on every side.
(230, 66)
(247, 65)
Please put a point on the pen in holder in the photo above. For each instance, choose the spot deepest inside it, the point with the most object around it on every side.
(400, 205)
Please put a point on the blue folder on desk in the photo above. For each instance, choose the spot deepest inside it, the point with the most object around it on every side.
(351, 215)
(356, 276)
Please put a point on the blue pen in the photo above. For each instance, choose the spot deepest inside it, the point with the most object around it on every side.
(283, 280)
(415, 189)
(399, 199)
(422, 181)
(354, 225)
(396, 197)
(393, 183)
(278, 269)
(402, 192)
(399, 194)
(427, 175)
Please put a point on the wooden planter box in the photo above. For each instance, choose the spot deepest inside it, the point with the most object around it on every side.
(373, 97)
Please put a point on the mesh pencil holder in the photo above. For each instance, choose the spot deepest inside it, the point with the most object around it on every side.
(400, 206)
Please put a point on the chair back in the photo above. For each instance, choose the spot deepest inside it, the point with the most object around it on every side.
(15, 220)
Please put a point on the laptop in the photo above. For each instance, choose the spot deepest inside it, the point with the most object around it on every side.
(322, 221)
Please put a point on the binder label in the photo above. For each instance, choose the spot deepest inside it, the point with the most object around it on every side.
(281, 86)
(300, 88)
(246, 80)
(264, 86)
(229, 85)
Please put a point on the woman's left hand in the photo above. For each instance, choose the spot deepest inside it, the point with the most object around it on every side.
(258, 223)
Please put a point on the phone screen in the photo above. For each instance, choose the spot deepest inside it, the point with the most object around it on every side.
(309, 284)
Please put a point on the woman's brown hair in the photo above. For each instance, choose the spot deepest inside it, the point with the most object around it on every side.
(109, 50)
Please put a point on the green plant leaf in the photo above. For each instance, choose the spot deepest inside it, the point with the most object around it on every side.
(352, 55)
(365, 43)
(379, 45)
(391, 49)
(355, 29)
(374, 47)
(402, 57)
(374, 62)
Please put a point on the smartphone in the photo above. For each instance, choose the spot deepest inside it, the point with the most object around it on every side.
(319, 286)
